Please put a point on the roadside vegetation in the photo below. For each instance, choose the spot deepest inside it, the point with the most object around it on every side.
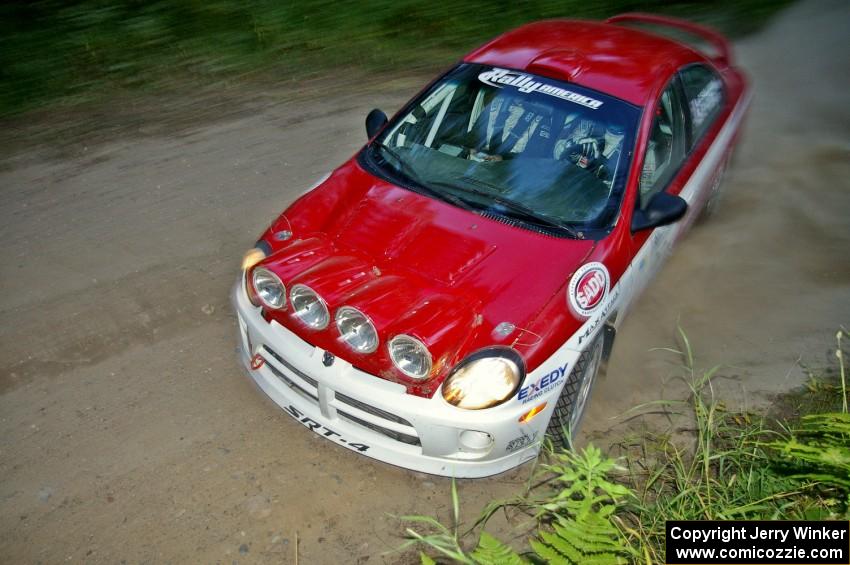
(54, 51)
(710, 464)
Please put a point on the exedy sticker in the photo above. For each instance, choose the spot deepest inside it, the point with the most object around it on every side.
(588, 288)
(526, 83)
(543, 385)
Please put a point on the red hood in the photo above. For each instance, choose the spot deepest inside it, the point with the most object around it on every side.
(418, 266)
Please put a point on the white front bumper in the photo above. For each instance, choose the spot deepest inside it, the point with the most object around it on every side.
(378, 418)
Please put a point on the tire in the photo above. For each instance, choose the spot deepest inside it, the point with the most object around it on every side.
(575, 396)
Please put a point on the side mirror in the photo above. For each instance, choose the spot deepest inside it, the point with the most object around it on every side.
(663, 209)
(374, 122)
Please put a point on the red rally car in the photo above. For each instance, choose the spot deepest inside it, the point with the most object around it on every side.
(446, 298)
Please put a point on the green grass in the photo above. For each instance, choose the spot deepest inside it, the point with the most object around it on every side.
(711, 464)
(53, 51)
(734, 466)
(821, 393)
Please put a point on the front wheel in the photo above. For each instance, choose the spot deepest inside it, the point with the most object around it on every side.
(565, 421)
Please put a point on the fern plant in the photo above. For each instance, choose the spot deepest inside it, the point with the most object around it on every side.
(592, 539)
(576, 524)
(818, 451)
(491, 551)
(821, 446)
(581, 510)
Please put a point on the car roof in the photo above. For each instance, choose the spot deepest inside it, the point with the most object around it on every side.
(620, 61)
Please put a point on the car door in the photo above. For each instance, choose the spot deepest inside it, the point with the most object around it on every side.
(681, 158)
(666, 152)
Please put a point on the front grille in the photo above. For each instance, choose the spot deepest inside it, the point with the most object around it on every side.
(372, 410)
(392, 434)
(291, 367)
(292, 384)
(309, 388)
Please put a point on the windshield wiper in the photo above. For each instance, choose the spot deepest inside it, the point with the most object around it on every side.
(481, 182)
(523, 212)
(411, 174)
(534, 217)
(404, 167)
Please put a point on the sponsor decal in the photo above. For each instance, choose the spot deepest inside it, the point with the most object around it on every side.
(588, 288)
(543, 385)
(526, 83)
(324, 431)
(522, 441)
(257, 361)
(603, 315)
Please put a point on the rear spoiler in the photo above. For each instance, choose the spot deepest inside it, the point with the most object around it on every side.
(723, 57)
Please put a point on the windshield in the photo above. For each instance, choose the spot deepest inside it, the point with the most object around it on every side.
(508, 143)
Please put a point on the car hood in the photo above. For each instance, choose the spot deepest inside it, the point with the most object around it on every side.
(418, 266)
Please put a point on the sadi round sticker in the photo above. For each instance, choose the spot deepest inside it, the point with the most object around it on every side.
(588, 288)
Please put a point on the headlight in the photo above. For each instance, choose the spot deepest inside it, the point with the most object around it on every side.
(356, 330)
(249, 259)
(410, 356)
(269, 289)
(484, 379)
(252, 257)
(309, 307)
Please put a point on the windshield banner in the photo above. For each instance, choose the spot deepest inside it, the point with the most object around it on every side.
(526, 83)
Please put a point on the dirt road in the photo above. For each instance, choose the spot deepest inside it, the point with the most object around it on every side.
(128, 432)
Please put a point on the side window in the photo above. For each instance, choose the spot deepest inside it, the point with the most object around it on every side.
(704, 92)
(665, 151)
